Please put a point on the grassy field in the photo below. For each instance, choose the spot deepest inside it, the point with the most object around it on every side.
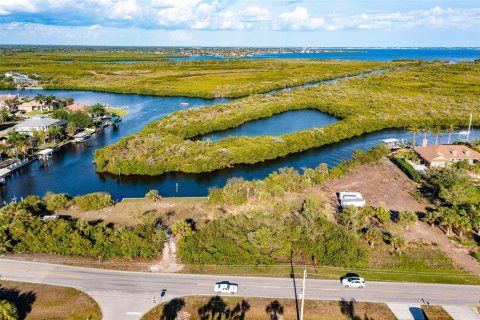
(197, 308)
(435, 313)
(39, 301)
(118, 111)
(425, 96)
(156, 76)
(418, 263)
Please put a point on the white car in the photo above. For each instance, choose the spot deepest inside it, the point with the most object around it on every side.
(354, 282)
(226, 287)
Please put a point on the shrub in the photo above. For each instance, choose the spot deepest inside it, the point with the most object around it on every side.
(382, 214)
(373, 235)
(262, 238)
(8, 311)
(56, 202)
(407, 168)
(407, 218)
(153, 195)
(94, 201)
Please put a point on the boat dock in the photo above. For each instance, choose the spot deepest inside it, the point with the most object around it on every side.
(5, 172)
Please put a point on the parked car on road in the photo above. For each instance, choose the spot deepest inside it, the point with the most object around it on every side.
(226, 287)
(353, 282)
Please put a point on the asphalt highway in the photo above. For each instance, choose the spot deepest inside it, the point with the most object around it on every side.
(128, 295)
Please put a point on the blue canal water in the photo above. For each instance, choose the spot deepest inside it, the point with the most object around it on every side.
(277, 125)
(365, 54)
(73, 172)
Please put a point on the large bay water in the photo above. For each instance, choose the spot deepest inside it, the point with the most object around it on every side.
(365, 54)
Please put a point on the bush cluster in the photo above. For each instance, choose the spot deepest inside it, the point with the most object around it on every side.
(93, 201)
(261, 238)
(408, 169)
(23, 230)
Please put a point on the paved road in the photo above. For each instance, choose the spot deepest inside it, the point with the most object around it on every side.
(128, 295)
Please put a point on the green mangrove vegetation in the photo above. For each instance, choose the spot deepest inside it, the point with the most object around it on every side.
(24, 229)
(421, 95)
(153, 76)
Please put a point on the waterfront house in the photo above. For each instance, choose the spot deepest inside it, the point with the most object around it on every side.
(443, 155)
(24, 80)
(30, 106)
(39, 123)
(5, 98)
(77, 107)
(11, 74)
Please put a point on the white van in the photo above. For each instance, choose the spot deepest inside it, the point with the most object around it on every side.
(226, 287)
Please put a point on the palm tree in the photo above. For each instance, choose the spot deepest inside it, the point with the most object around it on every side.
(8, 311)
(98, 109)
(399, 243)
(448, 220)
(463, 225)
(414, 130)
(373, 235)
(432, 217)
(49, 100)
(18, 141)
(274, 310)
(437, 130)
(451, 128)
(55, 132)
(40, 98)
(40, 135)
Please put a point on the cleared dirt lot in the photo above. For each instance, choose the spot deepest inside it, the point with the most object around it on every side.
(382, 185)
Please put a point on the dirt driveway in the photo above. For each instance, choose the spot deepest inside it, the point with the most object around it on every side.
(381, 184)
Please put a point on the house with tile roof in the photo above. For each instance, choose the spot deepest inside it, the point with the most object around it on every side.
(442, 155)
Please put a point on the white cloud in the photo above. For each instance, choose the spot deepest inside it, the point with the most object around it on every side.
(222, 15)
(9, 6)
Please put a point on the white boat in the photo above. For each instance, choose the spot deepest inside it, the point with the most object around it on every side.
(184, 104)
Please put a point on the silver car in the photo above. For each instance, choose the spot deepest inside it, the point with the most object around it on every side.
(354, 282)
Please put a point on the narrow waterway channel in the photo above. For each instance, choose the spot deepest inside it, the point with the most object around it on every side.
(71, 170)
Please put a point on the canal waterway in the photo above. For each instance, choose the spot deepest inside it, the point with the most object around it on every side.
(277, 125)
(71, 170)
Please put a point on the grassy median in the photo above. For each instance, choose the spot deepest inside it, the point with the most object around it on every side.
(41, 301)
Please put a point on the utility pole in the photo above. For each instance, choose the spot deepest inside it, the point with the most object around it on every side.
(303, 291)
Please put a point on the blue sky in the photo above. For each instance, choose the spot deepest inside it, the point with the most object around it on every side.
(324, 23)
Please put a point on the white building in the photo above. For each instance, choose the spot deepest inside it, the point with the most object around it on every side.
(354, 199)
(39, 123)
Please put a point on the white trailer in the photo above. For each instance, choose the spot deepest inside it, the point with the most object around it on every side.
(354, 199)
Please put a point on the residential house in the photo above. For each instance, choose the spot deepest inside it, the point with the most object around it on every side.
(24, 80)
(38, 123)
(4, 98)
(443, 155)
(30, 106)
(10, 74)
(77, 107)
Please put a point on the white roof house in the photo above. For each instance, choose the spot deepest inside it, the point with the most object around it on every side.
(39, 123)
(354, 199)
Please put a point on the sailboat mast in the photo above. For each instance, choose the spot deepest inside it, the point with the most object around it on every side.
(469, 127)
